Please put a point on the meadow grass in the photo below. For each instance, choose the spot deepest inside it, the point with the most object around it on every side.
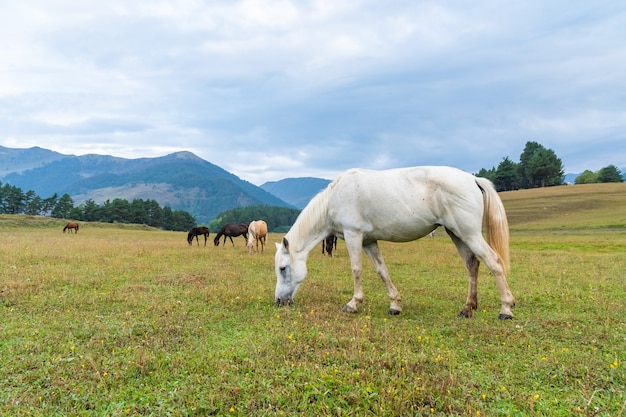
(579, 207)
(127, 320)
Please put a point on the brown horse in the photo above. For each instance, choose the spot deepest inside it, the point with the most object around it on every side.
(71, 226)
(257, 231)
(198, 231)
(231, 230)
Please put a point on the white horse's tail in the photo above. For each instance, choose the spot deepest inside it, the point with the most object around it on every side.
(495, 222)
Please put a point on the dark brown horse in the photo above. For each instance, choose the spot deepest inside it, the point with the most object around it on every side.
(71, 226)
(328, 244)
(231, 230)
(198, 231)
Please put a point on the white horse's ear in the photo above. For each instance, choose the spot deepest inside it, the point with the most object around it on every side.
(284, 246)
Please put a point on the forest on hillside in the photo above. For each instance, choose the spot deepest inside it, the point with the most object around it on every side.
(14, 201)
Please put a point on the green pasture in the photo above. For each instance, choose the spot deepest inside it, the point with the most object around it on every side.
(122, 320)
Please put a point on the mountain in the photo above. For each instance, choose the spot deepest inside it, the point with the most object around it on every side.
(570, 178)
(181, 180)
(296, 191)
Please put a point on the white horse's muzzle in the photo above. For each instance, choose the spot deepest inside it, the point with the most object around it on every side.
(285, 300)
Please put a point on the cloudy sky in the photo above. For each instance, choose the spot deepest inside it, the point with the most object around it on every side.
(271, 89)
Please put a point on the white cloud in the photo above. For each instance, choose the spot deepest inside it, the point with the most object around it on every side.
(579, 124)
(317, 86)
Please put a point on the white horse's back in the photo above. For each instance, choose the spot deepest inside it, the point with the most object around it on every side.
(402, 204)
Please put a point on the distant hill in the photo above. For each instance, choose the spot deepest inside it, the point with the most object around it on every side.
(579, 207)
(571, 178)
(296, 191)
(181, 180)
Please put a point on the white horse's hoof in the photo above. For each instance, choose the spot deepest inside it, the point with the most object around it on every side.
(348, 309)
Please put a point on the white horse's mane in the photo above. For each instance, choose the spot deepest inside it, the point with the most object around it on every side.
(312, 220)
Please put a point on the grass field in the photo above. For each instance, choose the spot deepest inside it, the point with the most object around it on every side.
(126, 320)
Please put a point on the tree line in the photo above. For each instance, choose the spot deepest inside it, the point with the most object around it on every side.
(540, 167)
(14, 201)
(609, 173)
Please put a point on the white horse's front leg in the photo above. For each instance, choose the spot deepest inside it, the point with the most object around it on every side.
(355, 246)
(373, 252)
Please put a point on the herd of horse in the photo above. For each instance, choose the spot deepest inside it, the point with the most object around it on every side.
(255, 232)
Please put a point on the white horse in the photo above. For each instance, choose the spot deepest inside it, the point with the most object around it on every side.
(400, 205)
(257, 231)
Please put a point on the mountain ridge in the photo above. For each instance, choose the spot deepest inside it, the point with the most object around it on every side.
(181, 180)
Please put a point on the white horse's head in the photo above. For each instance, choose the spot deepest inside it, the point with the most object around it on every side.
(290, 272)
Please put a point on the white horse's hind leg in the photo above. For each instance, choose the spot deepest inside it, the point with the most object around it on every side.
(483, 251)
(471, 265)
(373, 252)
(506, 296)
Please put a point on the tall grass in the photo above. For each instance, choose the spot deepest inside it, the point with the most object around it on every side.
(132, 321)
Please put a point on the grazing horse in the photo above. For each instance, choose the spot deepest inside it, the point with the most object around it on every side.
(198, 231)
(400, 205)
(328, 244)
(71, 226)
(257, 231)
(231, 230)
